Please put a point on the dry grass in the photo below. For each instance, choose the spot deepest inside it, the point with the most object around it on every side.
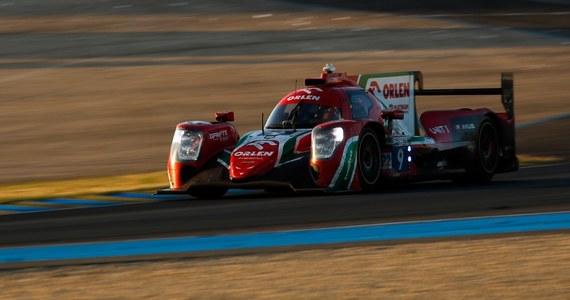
(66, 188)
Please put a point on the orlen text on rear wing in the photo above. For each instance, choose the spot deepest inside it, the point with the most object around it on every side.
(395, 91)
(398, 90)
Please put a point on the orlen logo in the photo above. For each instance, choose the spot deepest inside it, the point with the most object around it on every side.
(308, 95)
(391, 90)
(253, 153)
(261, 149)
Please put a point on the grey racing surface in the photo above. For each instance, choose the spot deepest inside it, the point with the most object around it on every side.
(530, 190)
(538, 188)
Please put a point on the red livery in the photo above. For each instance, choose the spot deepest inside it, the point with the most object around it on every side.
(347, 132)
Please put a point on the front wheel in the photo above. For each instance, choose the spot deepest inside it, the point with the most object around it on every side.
(369, 160)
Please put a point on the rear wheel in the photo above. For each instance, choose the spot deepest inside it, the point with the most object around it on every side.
(369, 161)
(486, 153)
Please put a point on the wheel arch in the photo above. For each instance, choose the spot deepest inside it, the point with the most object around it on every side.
(371, 156)
(379, 130)
(496, 121)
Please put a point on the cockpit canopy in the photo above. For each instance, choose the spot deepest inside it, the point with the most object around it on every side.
(304, 115)
(307, 107)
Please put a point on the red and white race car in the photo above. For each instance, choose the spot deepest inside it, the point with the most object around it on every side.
(343, 132)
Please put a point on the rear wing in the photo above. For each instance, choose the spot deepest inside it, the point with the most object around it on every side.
(506, 91)
(398, 91)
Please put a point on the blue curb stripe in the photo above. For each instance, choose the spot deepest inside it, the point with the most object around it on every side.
(148, 196)
(78, 202)
(379, 232)
(21, 208)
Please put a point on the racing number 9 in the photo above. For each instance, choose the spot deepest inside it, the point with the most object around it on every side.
(399, 161)
(400, 158)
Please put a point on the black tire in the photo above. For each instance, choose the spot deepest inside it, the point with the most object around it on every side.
(487, 148)
(208, 193)
(369, 160)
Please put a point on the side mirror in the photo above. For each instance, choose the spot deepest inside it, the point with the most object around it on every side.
(225, 116)
(392, 114)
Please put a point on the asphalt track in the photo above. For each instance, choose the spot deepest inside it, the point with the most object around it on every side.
(530, 190)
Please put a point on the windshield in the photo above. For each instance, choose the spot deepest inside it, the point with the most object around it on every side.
(307, 115)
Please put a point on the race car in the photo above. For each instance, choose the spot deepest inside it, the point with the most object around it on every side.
(345, 132)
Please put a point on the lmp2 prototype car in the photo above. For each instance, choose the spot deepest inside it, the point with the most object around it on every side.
(343, 132)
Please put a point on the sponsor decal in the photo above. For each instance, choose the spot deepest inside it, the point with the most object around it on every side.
(441, 129)
(399, 140)
(395, 92)
(253, 153)
(220, 135)
(280, 144)
(308, 96)
(465, 127)
(304, 97)
(391, 90)
(469, 126)
(402, 107)
(260, 145)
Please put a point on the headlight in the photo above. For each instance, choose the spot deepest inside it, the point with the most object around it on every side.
(325, 141)
(186, 145)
